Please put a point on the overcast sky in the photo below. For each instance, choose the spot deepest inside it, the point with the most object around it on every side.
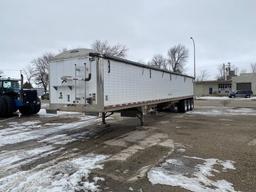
(224, 30)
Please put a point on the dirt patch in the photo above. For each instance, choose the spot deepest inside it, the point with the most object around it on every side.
(132, 151)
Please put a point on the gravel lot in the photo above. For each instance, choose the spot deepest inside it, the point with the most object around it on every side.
(212, 148)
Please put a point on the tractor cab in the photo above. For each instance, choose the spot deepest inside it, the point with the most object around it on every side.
(13, 97)
(9, 85)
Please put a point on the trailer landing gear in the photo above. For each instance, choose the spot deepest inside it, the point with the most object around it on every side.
(105, 115)
(134, 112)
(140, 116)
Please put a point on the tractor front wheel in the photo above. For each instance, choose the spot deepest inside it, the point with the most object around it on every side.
(31, 108)
(10, 105)
(37, 106)
(3, 107)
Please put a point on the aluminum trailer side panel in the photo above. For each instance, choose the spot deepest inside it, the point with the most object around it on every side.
(126, 84)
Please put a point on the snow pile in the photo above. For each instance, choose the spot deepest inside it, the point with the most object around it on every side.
(69, 175)
(178, 172)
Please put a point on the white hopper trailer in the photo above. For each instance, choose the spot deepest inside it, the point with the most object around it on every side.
(86, 81)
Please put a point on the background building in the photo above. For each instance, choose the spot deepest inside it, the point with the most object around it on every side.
(217, 87)
(245, 81)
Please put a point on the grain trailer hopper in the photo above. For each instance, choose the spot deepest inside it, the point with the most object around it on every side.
(86, 81)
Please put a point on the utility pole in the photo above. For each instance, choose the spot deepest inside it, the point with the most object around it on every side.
(194, 56)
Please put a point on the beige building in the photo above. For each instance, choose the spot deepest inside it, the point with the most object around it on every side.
(245, 82)
(217, 87)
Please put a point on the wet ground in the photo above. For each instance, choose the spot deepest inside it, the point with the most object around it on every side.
(210, 149)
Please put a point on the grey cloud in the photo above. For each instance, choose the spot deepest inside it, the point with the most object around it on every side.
(223, 30)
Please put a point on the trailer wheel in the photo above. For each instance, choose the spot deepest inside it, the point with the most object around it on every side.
(37, 106)
(192, 104)
(181, 106)
(3, 107)
(186, 105)
(189, 105)
(10, 106)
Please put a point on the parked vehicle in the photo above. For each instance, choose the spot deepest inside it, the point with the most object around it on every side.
(82, 80)
(13, 97)
(245, 94)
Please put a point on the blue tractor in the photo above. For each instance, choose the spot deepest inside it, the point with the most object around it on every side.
(13, 98)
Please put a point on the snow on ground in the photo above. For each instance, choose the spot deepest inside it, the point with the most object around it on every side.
(21, 132)
(223, 111)
(12, 161)
(212, 98)
(223, 98)
(68, 175)
(179, 172)
(61, 139)
(44, 105)
(43, 113)
(10, 157)
(33, 144)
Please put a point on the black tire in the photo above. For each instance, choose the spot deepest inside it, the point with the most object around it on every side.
(192, 104)
(37, 106)
(181, 106)
(10, 105)
(3, 107)
(186, 105)
(189, 104)
(31, 108)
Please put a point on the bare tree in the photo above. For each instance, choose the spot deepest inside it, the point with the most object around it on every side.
(177, 57)
(104, 48)
(158, 61)
(29, 73)
(202, 75)
(41, 71)
(221, 72)
(1, 73)
(253, 67)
